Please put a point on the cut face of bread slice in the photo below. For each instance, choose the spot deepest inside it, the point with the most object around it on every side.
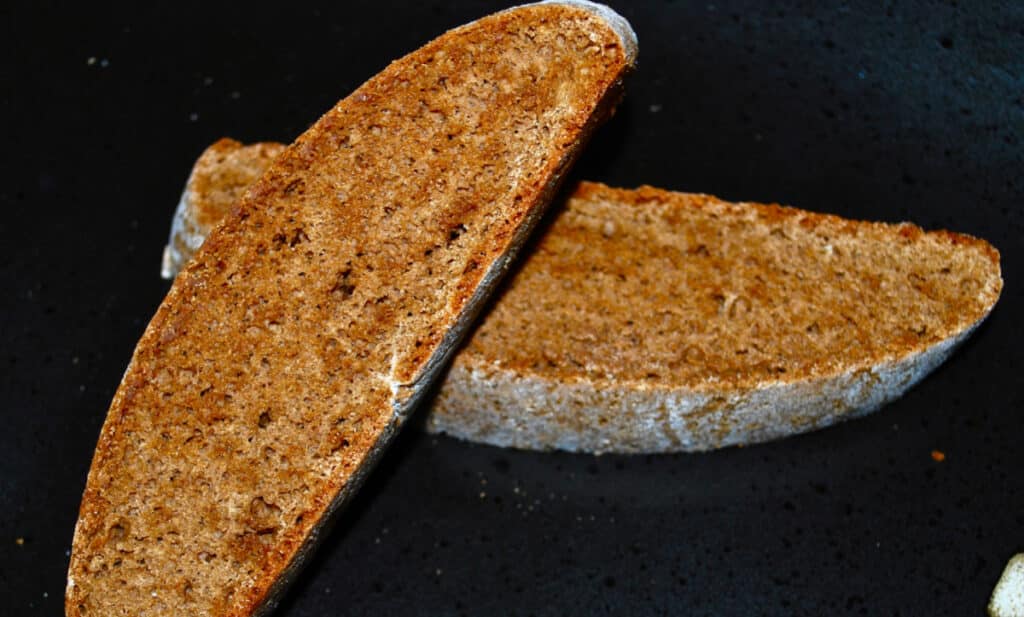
(651, 321)
(304, 330)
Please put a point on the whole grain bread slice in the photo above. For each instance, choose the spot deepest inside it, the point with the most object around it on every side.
(301, 334)
(651, 321)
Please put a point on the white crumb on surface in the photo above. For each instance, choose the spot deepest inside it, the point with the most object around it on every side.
(1008, 596)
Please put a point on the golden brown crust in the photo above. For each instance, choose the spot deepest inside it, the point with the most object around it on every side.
(293, 344)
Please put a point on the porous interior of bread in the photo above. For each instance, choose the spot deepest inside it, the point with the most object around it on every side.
(672, 290)
(306, 321)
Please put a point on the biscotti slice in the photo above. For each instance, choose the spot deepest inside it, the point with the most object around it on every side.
(650, 321)
(298, 338)
(218, 179)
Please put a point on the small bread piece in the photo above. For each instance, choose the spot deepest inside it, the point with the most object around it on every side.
(651, 321)
(302, 333)
(218, 179)
(1008, 596)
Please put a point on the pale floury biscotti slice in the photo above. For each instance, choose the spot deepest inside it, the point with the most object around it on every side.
(307, 326)
(651, 321)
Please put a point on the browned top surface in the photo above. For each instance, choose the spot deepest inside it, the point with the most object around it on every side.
(677, 290)
(272, 367)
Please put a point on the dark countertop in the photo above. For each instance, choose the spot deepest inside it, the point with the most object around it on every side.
(911, 112)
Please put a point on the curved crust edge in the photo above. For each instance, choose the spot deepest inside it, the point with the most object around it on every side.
(579, 417)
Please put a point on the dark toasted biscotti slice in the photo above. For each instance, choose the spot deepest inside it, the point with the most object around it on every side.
(302, 333)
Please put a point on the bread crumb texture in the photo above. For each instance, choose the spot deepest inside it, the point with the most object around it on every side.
(648, 320)
(1008, 596)
(288, 349)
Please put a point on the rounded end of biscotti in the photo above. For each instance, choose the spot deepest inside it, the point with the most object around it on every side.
(616, 22)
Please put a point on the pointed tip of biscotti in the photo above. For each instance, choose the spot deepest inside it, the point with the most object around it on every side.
(615, 21)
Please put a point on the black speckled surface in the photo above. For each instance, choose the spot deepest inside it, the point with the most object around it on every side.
(887, 111)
